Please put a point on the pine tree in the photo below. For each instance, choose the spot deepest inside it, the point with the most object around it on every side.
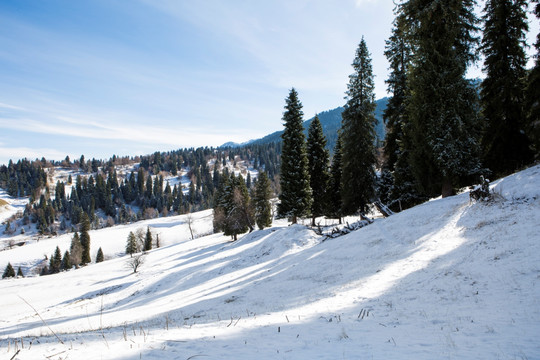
(403, 191)
(358, 135)
(99, 256)
(232, 214)
(295, 198)
(8, 271)
(442, 106)
(19, 272)
(318, 159)
(504, 143)
(66, 261)
(85, 239)
(76, 250)
(148, 240)
(261, 201)
(398, 52)
(55, 261)
(336, 169)
(131, 246)
(532, 94)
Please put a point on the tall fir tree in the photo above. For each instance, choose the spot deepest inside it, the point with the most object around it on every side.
(532, 94)
(131, 246)
(442, 106)
(295, 198)
(403, 192)
(357, 130)
(261, 201)
(398, 51)
(334, 189)
(504, 143)
(85, 239)
(148, 239)
(318, 159)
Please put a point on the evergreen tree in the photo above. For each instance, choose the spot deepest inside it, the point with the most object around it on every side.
(504, 143)
(403, 191)
(19, 272)
(75, 250)
(131, 246)
(56, 261)
(261, 201)
(99, 256)
(85, 239)
(532, 105)
(8, 271)
(336, 169)
(148, 240)
(358, 135)
(398, 52)
(66, 261)
(318, 159)
(442, 106)
(232, 214)
(295, 198)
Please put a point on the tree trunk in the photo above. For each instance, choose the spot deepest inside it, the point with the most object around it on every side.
(447, 189)
(294, 219)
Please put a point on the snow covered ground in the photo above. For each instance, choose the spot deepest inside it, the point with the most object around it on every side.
(448, 279)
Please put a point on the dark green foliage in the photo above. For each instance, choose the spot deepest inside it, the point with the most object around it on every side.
(504, 143)
(23, 178)
(318, 159)
(334, 190)
(148, 240)
(261, 201)
(331, 123)
(398, 52)
(358, 161)
(295, 194)
(66, 261)
(19, 272)
(442, 108)
(55, 262)
(131, 246)
(232, 213)
(8, 271)
(532, 94)
(99, 256)
(85, 239)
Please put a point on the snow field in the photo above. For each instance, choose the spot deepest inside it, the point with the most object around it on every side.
(447, 279)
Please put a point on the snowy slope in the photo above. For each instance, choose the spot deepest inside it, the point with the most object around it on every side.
(448, 279)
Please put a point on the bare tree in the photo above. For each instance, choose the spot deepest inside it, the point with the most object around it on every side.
(190, 221)
(135, 262)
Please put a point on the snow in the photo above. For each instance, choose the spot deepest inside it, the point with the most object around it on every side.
(447, 279)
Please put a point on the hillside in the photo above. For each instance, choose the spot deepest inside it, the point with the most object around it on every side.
(331, 123)
(446, 279)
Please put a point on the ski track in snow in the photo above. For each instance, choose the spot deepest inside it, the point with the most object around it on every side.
(448, 279)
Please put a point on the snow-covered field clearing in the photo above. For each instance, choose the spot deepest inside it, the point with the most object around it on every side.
(448, 279)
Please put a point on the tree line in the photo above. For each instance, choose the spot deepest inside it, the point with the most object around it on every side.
(442, 133)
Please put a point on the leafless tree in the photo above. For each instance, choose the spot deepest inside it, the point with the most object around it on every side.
(135, 262)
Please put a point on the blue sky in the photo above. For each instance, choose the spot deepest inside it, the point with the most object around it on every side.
(132, 77)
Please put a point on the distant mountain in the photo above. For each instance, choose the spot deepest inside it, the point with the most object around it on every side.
(331, 123)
